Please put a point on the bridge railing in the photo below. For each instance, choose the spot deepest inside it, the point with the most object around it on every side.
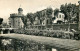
(2, 30)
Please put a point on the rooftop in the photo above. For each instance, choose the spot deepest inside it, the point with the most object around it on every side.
(20, 9)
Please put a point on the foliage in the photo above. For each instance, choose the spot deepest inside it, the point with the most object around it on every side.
(31, 17)
(40, 14)
(70, 10)
(56, 11)
(1, 19)
(49, 12)
(24, 19)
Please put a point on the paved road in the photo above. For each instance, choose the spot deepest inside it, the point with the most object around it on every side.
(54, 42)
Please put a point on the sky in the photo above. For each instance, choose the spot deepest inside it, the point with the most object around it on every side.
(11, 6)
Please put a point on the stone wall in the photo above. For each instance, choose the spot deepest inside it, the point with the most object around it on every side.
(64, 26)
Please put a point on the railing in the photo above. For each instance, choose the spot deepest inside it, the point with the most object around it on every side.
(2, 30)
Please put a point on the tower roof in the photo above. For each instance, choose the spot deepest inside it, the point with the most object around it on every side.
(20, 9)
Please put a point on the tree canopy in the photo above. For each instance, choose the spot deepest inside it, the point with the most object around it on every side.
(71, 11)
(49, 12)
(56, 11)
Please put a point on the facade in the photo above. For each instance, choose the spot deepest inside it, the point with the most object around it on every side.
(15, 20)
(28, 21)
(44, 22)
(37, 21)
(59, 18)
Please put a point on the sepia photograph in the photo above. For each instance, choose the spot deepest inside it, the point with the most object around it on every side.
(39, 25)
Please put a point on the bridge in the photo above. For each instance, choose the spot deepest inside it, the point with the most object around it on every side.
(6, 29)
(59, 44)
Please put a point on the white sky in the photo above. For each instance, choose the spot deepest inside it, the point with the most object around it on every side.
(10, 6)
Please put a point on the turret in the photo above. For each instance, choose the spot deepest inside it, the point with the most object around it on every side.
(20, 11)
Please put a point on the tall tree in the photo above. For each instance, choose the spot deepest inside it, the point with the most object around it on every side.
(31, 17)
(56, 11)
(49, 12)
(24, 19)
(70, 11)
(38, 14)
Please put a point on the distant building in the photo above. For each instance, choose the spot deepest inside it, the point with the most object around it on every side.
(37, 21)
(28, 21)
(15, 20)
(58, 18)
(44, 22)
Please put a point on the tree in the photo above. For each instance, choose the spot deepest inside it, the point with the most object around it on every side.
(49, 12)
(38, 14)
(41, 14)
(31, 17)
(56, 11)
(1, 19)
(24, 19)
(63, 9)
(70, 11)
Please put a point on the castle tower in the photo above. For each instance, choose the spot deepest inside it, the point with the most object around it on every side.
(20, 11)
(15, 20)
(79, 16)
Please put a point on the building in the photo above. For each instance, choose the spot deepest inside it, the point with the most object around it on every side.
(15, 20)
(37, 21)
(58, 18)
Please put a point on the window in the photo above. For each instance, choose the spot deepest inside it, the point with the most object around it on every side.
(18, 22)
(59, 16)
(62, 16)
